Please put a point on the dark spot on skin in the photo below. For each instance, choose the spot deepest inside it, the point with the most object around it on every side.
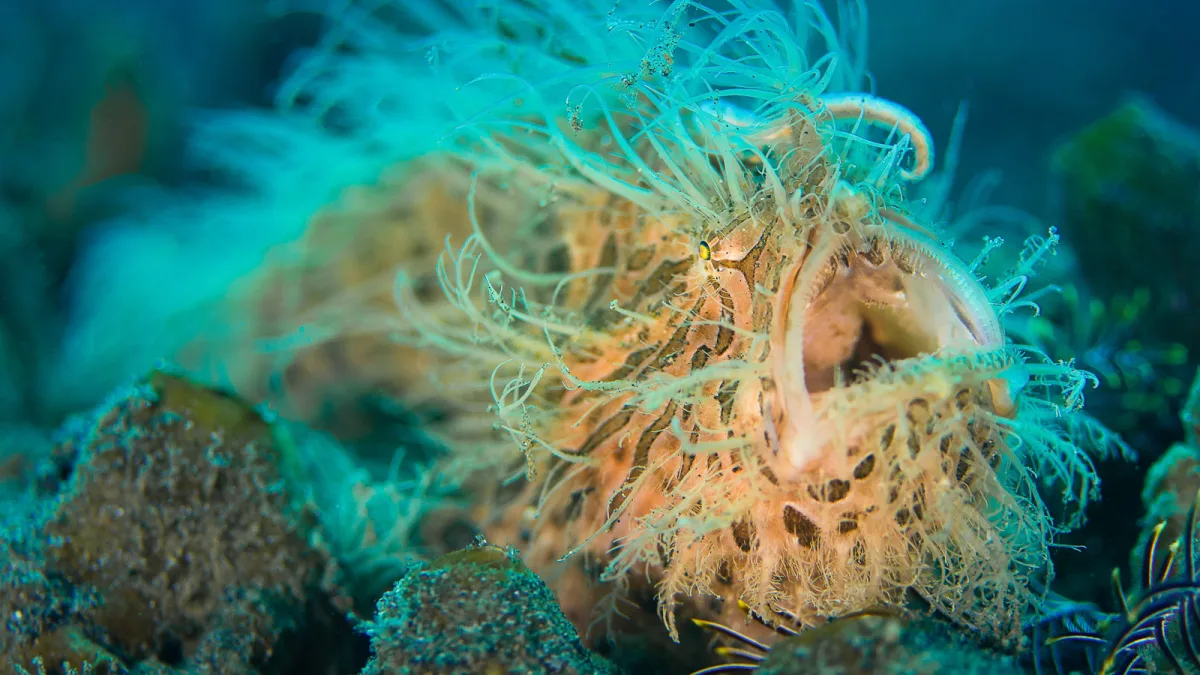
(660, 279)
(944, 446)
(963, 466)
(848, 524)
(744, 533)
(962, 399)
(888, 434)
(800, 526)
(724, 574)
(770, 475)
(865, 467)
(558, 260)
(724, 332)
(725, 398)
(825, 277)
(833, 491)
(675, 344)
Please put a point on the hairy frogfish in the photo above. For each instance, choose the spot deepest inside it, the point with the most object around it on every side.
(664, 265)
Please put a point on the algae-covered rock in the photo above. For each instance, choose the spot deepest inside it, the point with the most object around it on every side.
(177, 514)
(177, 544)
(478, 610)
(40, 618)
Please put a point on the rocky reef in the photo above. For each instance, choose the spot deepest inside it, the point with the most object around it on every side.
(164, 534)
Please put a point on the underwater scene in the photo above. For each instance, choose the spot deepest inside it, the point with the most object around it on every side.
(665, 337)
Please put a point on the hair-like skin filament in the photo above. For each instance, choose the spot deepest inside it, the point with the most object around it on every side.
(857, 107)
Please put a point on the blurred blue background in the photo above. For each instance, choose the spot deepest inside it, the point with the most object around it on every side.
(1033, 72)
